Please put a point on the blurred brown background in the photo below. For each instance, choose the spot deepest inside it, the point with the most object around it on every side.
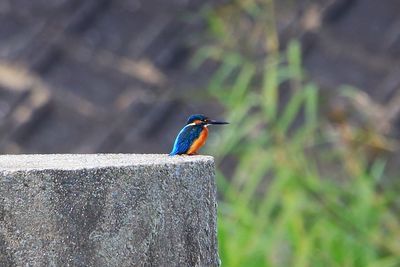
(114, 76)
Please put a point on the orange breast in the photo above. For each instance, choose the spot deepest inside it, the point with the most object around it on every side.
(199, 142)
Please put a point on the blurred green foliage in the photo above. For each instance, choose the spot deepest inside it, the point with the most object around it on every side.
(293, 198)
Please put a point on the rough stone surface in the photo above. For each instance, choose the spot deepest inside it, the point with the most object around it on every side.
(107, 210)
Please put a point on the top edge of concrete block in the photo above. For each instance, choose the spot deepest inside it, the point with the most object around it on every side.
(91, 161)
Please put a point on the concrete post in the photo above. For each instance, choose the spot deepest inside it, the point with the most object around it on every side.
(107, 210)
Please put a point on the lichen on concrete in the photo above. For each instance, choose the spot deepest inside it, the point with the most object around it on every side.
(107, 210)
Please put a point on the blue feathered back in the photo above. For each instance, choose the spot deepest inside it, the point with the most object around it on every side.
(185, 139)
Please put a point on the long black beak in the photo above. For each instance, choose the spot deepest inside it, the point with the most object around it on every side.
(216, 122)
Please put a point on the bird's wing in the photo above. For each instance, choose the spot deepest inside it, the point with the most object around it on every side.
(185, 139)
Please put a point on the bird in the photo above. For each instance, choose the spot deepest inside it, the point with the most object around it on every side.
(194, 135)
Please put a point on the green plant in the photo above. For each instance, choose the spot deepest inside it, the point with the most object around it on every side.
(286, 203)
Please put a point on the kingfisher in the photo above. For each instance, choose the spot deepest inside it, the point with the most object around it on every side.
(193, 135)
